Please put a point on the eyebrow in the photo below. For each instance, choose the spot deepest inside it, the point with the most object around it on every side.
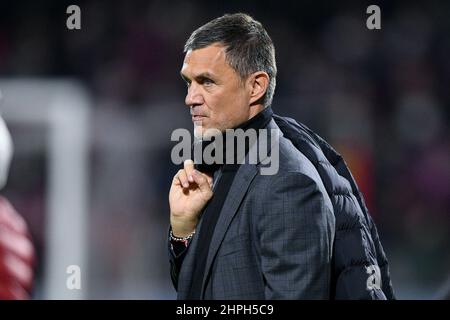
(200, 76)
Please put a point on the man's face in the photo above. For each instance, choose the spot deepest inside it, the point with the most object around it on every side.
(217, 96)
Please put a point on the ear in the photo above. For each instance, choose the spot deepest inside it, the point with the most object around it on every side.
(258, 84)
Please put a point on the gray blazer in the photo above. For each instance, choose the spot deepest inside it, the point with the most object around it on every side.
(274, 237)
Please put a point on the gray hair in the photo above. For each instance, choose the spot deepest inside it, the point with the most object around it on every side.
(249, 48)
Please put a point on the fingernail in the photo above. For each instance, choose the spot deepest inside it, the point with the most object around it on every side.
(191, 179)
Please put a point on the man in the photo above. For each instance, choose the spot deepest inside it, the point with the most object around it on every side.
(16, 248)
(239, 234)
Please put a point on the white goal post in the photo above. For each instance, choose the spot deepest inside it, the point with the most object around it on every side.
(63, 108)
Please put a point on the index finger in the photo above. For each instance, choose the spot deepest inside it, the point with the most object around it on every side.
(189, 168)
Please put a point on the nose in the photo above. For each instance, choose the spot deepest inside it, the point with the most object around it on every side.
(194, 96)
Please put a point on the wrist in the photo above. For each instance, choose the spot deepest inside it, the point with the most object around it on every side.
(182, 240)
(183, 229)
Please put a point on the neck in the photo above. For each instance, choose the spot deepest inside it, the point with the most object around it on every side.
(254, 110)
(258, 121)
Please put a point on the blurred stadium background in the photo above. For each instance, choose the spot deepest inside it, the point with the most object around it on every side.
(91, 112)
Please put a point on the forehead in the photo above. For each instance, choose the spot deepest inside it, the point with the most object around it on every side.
(209, 59)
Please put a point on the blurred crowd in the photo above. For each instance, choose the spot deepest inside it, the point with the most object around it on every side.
(380, 97)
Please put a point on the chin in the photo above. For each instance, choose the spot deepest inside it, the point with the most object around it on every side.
(198, 132)
(203, 133)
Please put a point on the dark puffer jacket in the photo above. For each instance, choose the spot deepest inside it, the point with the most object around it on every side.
(360, 267)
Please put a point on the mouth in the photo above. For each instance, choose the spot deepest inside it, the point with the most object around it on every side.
(198, 118)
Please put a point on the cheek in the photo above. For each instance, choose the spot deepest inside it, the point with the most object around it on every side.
(216, 105)
(226, 108)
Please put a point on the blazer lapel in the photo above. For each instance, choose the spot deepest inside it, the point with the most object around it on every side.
(244, 176)
(238, 189)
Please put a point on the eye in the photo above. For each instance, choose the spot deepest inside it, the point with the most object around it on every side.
(208, 82)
